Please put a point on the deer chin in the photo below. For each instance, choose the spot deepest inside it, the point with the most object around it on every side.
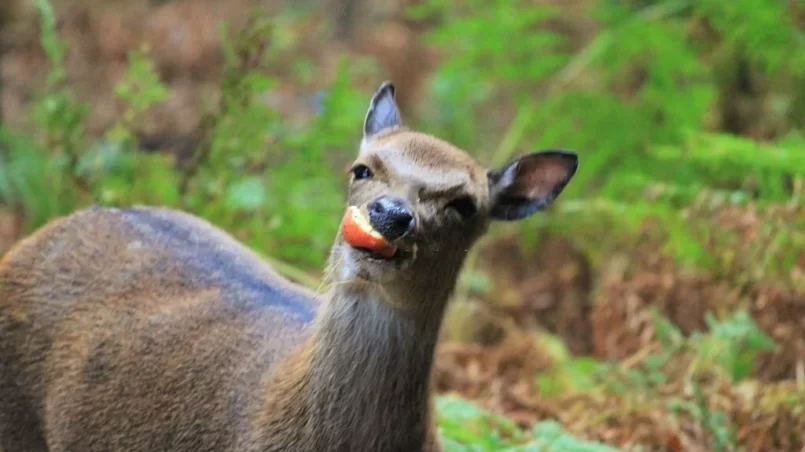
(399, 259)
(357, 263)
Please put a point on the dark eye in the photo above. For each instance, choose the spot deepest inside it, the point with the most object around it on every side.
(361, 172)
(465, 206)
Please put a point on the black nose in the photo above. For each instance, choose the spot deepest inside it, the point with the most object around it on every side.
(391, 217)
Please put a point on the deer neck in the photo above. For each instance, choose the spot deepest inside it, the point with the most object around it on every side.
(369, 373)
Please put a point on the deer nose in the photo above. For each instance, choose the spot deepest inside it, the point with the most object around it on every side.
(391, 217)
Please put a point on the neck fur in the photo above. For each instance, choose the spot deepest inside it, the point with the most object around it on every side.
(370, 372)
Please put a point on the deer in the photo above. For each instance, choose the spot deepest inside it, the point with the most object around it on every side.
(146, 328)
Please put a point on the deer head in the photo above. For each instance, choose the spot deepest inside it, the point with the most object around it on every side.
(417, 204)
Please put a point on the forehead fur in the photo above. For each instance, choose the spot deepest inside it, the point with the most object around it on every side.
(426, 156)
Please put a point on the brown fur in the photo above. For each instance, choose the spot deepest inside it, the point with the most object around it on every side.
(148, 329)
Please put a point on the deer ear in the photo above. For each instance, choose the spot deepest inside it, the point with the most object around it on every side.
(383, 112)
(530, 183)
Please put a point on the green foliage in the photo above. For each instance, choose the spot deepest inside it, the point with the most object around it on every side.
(733, 343)
(277, 181)
(140, 89)
(57, 111)
(637, 102)
(28, 175)
(714, 422)
(764, 30)
(495, 47)
(37, 170)
(309, 213)
(568, 374)
(56, 169)
(117, 174)
(731, 346)
(465, 427)
(269, 183)
(511, 55)
(51, 43)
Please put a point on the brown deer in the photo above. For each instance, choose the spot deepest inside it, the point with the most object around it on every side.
(148, 329)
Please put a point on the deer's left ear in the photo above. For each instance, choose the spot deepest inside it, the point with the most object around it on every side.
(529, 183)
(383, 111)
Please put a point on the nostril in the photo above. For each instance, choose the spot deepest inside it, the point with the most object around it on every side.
(404, 221)
(391, 217)
(377, 206)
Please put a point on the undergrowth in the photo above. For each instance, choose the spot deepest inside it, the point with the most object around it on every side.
(466, 427)
(689, 365)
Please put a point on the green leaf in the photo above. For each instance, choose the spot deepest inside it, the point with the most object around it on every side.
(248, 194)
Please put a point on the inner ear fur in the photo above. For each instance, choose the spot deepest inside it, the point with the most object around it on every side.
(383, 112)
(529, 183)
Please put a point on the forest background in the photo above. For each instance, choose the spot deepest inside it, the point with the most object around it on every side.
(658, 305)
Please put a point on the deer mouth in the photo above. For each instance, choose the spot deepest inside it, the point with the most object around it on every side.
(358, 232)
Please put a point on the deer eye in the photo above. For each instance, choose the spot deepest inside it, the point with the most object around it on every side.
(361, 172)
(465, 206)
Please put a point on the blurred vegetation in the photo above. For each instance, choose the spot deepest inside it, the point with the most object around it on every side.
(640, 103)
(682, 112)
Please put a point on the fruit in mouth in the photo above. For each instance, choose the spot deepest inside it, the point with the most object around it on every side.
(359, 233)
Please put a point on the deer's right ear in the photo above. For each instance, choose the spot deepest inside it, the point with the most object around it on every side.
(383, 112)
(529, 183)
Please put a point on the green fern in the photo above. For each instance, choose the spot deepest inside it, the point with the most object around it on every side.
(465, 427)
